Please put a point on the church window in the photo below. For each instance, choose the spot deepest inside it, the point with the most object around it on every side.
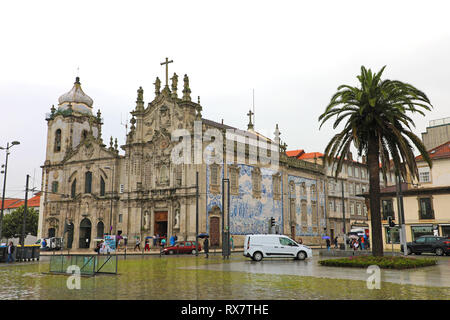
(57, 147)
(84, 135)
(164, 174)
(73, 189)
(120, 217)
(313, 191)
(234, 179)
(214, 178)
(276, 179)
(292, 188)
(314, 214)
(102, 187)
(303, 189)
(293, 213)
(55, 186)
(256, 182)
(88, 182)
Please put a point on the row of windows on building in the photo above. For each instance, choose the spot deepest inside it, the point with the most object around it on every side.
(87, 185)
(353, 171)
(352, 188)
(355, 208)
(58, 138)
(426, 211)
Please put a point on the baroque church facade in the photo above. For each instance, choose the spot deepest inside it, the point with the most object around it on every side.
(91, 189)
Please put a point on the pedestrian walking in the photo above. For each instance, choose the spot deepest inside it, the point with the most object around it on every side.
(232, 243)
(359, 243)
(138, 244)
(176, 238)
(147, 244)
(163, 242)
(10, 252)
(206, 247)
(172, 241)
(98, 247)
(336, 242)
(328, 244)
(362, 243)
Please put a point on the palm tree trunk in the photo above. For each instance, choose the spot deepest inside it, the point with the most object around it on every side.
(374, 196)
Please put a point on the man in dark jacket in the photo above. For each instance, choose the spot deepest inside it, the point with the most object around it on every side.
(10, 252)
(206, 247)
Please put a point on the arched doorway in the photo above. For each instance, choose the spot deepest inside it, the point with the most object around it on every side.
(214, 231)
(160, 226)
(100, 230)
(85, 233)
(51, 232)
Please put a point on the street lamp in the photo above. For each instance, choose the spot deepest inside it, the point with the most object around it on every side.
(112, 192)
(8, 146)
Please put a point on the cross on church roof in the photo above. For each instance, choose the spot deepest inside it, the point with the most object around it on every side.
(250, 125)
(167, 70)
(250, 114)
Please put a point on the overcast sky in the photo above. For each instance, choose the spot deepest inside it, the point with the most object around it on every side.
(294, 54)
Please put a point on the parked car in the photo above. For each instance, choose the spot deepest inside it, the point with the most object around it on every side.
(430, 244)
(259, 246)
(183, 247)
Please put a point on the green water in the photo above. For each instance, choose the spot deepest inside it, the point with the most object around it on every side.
(165, 278)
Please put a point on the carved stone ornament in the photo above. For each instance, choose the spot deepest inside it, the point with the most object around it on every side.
(89, 151)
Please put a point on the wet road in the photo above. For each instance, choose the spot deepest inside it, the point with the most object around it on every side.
(435, 276)
(190, 277)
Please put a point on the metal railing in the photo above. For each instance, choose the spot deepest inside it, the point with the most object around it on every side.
(88, 264)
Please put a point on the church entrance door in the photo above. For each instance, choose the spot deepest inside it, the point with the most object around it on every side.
(85, 233)
(214, 231)
(161, 223)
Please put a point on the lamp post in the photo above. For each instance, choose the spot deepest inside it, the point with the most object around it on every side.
(112, 192)
(343, 214)
(8, 146)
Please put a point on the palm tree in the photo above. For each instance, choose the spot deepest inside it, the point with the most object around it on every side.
(379, 127)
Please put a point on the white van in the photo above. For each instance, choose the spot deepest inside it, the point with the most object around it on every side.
(259, 246)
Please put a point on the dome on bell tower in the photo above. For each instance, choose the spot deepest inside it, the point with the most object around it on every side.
(78, 100)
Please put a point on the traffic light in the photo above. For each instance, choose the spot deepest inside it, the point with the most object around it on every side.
(272, 221)
(391, 222)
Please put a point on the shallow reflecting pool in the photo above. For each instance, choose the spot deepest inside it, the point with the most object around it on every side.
(177, 277)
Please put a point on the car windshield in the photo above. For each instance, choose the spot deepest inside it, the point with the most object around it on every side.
(287, 242)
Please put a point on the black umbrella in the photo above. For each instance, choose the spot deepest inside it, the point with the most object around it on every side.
(203, 235)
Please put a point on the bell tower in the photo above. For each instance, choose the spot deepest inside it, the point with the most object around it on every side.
(71, 123)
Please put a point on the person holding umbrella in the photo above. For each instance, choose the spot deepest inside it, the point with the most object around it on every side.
(206, 246)
(328, 243)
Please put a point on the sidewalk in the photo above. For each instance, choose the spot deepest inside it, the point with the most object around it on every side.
(128, 252)
(131, 252)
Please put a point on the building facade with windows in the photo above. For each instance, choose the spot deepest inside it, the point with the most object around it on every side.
(91, 189)
(425, 202)
(353, 180)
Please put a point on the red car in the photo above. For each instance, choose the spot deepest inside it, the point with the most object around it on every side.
(183, 247)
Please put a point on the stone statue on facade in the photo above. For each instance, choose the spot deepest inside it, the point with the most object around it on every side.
(157, 86)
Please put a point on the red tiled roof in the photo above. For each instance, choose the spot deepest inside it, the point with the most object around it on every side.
(440, 152)
(32, 203)
(10, 202)
(295, 153)
(311, 155)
